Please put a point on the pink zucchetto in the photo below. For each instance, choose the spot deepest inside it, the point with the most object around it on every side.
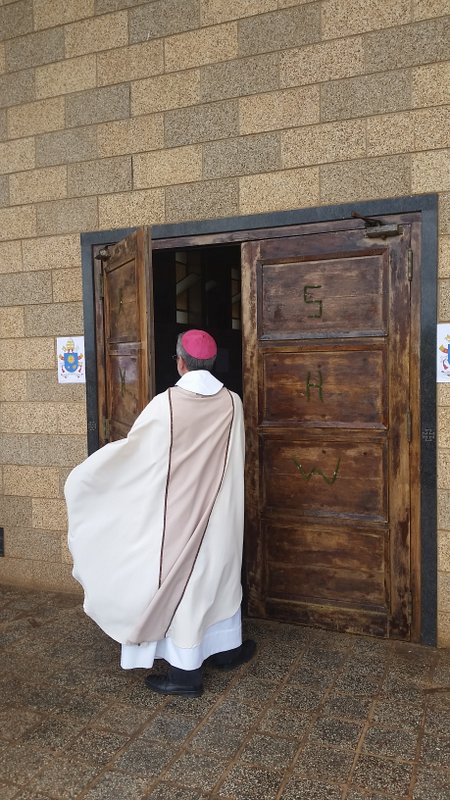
(199, 344)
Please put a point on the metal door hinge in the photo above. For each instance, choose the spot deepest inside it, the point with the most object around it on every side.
(409, 425)
(103, 254)
(106, 428)
(383, 231)
(410, 264)
(377, 228)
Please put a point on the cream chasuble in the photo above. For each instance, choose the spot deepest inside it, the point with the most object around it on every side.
(155, 535)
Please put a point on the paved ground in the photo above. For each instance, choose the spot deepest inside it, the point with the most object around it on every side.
(315, 715)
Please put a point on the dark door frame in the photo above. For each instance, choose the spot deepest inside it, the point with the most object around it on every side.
(238, 229)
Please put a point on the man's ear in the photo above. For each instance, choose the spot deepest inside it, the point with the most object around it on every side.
(182, 368)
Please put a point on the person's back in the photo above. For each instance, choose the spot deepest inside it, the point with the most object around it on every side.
(179, 563)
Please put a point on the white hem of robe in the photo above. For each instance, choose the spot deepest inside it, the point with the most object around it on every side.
(224, 635)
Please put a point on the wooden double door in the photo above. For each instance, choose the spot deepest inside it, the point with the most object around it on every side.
(330, 390)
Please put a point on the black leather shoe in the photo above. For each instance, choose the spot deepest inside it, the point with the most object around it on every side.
(163, 685)
(234, 658)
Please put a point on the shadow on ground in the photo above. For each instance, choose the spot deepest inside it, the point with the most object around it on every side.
(316, 716)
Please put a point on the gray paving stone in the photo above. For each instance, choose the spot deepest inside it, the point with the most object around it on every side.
(314, 676)
(97, 747)
(24, 794)
(168, 728)
(358, 684)
(20, 763)
(299, 697)
(282, 722)
(14, 722)
(65, 777)
(431, 783)
(7, 792)
(232, 713)
(316, 761)
(269, 751)
(347, 707)
(336, 733)
(210, 737)
(398, 713)
(143, 758)
(398, 743)
(287, 725)
(56, 732)
(436, 749)
(382, 775)
(250, 783)
(115, 784)
(356, 794)
(297, 789)
(122, 718)
(198, 770)
(252, 691)
(441, 676)
(168, 791)
(437, 721)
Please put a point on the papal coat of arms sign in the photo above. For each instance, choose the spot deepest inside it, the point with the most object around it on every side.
(70, 358)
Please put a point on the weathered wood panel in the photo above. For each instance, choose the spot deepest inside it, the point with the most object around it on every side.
(325, 386)
(343, 618)
(128, 332)
(339, 297)
(345, 480)
(122, 288)
(318, 565)
(360, 588)
(124, 405)
(340, 547)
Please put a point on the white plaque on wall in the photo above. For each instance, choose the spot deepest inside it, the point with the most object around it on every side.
(442, 360)
(70, 359)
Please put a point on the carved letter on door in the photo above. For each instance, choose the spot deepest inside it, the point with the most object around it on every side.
(309, 298)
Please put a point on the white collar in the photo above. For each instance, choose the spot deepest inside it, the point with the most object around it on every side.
(199, 381)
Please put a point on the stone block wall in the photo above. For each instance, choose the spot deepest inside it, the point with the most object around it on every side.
(115, 113)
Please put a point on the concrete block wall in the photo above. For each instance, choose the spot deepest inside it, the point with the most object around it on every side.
(123, 112)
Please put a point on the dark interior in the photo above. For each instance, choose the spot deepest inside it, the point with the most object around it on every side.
(198, 288)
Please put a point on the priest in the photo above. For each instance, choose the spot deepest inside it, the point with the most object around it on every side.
(156, 528)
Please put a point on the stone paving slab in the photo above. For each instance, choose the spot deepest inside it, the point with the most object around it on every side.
(316, 715)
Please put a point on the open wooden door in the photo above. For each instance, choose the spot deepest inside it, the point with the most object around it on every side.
(327, 348)
(124, 310)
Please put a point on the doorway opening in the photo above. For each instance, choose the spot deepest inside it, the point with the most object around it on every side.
(198, 288)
